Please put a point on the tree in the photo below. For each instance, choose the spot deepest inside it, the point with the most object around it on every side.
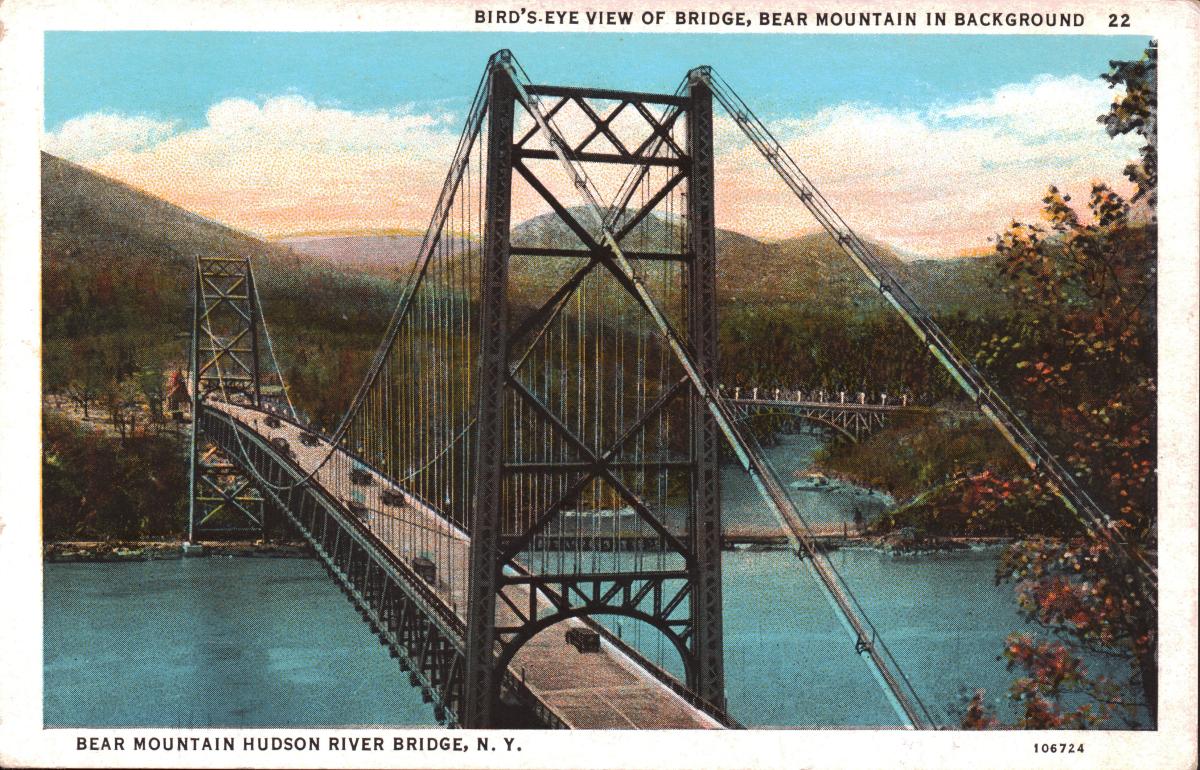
(85, 376)
(152, 384)
(1091, 386)
(120, 399)
(1137, 111)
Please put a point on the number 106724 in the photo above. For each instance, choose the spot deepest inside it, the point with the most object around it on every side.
(1058, 748)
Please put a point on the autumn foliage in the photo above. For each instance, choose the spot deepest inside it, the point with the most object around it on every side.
(1091, 278)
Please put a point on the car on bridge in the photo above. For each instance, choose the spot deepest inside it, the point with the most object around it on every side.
(583, 639)
(426, 569)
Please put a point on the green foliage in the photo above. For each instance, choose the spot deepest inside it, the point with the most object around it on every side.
(917, 453)
(1137, 111)
(98, 486)
(980, 504)
(324, 370)
(1092, 384)
(792, 346)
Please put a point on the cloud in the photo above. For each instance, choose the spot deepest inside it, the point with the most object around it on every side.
(1045, 105)
(90, 137)
(937, 181)
(283, 165)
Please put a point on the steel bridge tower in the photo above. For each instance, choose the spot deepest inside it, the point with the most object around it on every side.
(225, 365)
(694, 626)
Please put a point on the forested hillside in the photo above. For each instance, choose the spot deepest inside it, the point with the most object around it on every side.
(117, 282)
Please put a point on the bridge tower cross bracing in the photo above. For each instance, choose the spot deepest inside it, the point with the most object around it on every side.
(682, 599)
(226, 364)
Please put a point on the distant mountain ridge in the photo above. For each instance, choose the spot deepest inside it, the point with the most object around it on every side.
(118, 260)
(364, 252)
(809, 269)
(115, 257)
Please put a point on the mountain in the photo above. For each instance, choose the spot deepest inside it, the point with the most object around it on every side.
(807, 270)
(389, 255)
(116, 260)
(112, 255)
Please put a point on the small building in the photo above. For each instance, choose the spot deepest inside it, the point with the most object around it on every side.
(177, 395)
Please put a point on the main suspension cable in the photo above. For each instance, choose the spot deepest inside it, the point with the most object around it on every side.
(905, 701)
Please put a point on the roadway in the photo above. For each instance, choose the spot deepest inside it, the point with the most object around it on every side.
(597, 690)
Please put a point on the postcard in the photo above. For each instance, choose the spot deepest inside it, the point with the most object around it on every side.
(409, 384)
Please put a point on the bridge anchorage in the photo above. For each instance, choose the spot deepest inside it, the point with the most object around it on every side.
(536, 442)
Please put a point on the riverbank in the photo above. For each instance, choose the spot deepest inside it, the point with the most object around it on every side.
(734, 539)
(830, 537)
(157, 550)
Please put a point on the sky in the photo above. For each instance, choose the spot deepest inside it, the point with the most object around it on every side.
(931, 143)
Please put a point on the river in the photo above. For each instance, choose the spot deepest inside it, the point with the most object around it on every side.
(243, 642)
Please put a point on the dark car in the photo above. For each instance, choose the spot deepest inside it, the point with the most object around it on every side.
(425, 569)
(583, 639)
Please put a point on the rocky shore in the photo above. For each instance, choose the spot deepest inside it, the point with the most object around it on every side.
(147, 550)
(832, 537)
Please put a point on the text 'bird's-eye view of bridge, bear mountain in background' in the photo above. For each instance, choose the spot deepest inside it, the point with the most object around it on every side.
(535, 488)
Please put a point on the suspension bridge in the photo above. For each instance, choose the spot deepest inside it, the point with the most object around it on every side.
(515, 463)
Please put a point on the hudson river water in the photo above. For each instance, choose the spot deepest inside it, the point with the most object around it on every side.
(271, 642)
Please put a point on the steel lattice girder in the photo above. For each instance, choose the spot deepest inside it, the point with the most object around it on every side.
(698, 636)
(416, 626)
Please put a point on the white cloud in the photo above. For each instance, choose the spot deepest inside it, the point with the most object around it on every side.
(98, 134)
(1045, 105)
(284, 165)
(936, 182)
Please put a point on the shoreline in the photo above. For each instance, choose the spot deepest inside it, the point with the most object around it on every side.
(758, 539)
(68, 551)
(763, 539)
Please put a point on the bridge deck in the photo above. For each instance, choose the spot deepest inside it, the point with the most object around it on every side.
(837, 406)
(585, 690)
